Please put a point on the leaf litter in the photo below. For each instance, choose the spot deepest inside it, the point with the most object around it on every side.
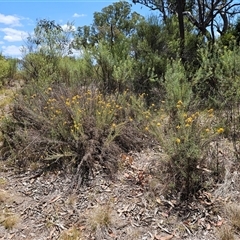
(133, 202)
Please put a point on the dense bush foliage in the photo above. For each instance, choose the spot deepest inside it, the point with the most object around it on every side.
(128, 89)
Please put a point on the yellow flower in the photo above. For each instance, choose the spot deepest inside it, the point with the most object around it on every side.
(207, 130)
(210, 111)
(113, 125)
(178, 140)
(187, 125)
(179, 102)
(74, 98)
(57, 111)
(158, 124)
(49, 89)
(189, 120)
(146, 128)
(178, 127)
(220, 130)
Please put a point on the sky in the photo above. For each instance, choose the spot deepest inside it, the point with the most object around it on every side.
(18, 18)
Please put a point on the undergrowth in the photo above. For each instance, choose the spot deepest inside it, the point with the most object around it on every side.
(72, 129)
(78, 115)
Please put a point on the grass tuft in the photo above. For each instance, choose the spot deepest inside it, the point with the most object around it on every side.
(234, 214)
(71, 234)
(10, 221)
(226, 233)
(100, 217)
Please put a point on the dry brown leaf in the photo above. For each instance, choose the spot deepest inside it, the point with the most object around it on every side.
(208, 226)
(164, 214)
(158, 200)
(219, 223)
(81, 228)
(168, 237)
(126, 159)
(55, 199)
(126, 175)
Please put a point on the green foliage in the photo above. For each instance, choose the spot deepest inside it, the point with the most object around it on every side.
(37, 67)
(112, 25)
(183, 134)
(109, 43)
(219, 12)
(76, 71)
(50, 38)
(4, 69)
(44, 49)
(13, 65)
(75, 112)
(176, 85)
(217, 79)
(232, 33)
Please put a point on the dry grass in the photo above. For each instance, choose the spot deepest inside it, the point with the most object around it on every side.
(234, 214)
(4, 195)
(72, 199)
(3, 181)
(10, 221)
(99, 217)
(71, 234)
(226, 233)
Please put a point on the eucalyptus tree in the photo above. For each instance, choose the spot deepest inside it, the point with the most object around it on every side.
(109, 40)
(130, 50)
(44, 48)
(208, 16)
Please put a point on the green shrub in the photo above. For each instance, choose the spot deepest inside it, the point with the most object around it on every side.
(183, 134)
(4, 70)
(13, 62)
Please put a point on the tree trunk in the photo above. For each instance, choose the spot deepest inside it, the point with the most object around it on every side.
(180, 10)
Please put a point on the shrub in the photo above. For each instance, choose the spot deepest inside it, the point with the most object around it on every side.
(182, 133)
(4, 70)
(72, 128)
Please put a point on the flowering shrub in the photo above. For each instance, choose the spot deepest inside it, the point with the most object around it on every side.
(185, 140)
(62, 127)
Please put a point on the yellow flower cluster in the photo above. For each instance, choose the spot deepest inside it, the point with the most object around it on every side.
(210, 112)
(179, 104)
(220, 130)
(207, 130)
(147, 114)
(178, 140)
(189, 120)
